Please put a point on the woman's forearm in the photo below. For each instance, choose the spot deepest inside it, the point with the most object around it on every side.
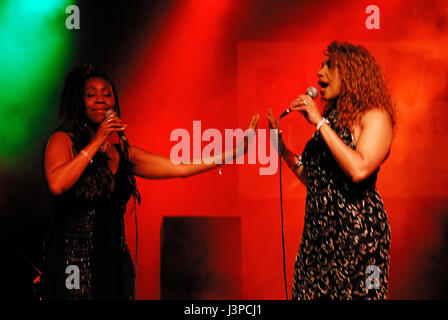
(152, 166)
(189, 170)
(63, 177)
(350, 161)
(228, 156)
(292, 161)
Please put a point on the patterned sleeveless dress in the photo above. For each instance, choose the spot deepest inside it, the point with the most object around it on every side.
(345, 245)
(90, 235)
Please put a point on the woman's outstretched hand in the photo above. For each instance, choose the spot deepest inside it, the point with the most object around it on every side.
(253, 124)
(242, 147)
(272, 122)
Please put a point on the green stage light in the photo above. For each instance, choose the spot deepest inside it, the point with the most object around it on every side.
(41, 7)
(35, 47)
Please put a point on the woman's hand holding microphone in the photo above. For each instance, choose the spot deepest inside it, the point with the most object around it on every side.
(111, 123)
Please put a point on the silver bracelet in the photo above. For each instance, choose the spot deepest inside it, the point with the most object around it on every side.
(86, 155)
(321, 122)
(298, 164)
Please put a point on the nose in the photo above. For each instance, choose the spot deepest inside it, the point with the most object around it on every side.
(320, 73)
(100, 99)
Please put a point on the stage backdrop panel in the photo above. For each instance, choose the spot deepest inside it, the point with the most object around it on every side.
(272, 74)
(201, 258)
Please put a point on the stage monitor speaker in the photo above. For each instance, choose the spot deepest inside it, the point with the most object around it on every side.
(200, 258)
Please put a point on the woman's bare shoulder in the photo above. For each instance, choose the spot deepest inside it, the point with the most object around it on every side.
(60, 139)
(377, 115)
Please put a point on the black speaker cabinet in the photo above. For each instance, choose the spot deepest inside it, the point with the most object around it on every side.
(200, 258)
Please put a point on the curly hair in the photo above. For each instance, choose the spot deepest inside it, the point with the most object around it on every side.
(97, 179)
(363, 85)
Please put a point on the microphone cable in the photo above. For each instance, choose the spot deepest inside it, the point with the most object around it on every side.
(312, 92)
(281, 205)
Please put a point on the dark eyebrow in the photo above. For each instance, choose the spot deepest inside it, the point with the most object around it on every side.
(94, 88)
(326, 61)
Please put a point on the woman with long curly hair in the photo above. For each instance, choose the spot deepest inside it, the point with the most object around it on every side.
(92, 179)
(345, 245)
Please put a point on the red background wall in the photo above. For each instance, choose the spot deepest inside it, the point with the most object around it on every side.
(177, 61)
(222, 61)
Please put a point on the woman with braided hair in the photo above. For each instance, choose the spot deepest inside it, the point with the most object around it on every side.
(92, 180)
(346, 237)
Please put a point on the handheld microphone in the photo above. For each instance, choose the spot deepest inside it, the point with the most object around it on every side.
(311, 91)
(110, 113)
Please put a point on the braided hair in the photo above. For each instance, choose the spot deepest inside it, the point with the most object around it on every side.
(97, 179)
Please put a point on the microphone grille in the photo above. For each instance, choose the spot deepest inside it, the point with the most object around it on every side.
(109, 113)
(312, 92)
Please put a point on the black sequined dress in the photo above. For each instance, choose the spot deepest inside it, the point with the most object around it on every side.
(346, 229)
(90, 235)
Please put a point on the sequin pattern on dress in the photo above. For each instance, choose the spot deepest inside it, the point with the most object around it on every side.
(91, 236)
(346, 229)
(79, 251)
